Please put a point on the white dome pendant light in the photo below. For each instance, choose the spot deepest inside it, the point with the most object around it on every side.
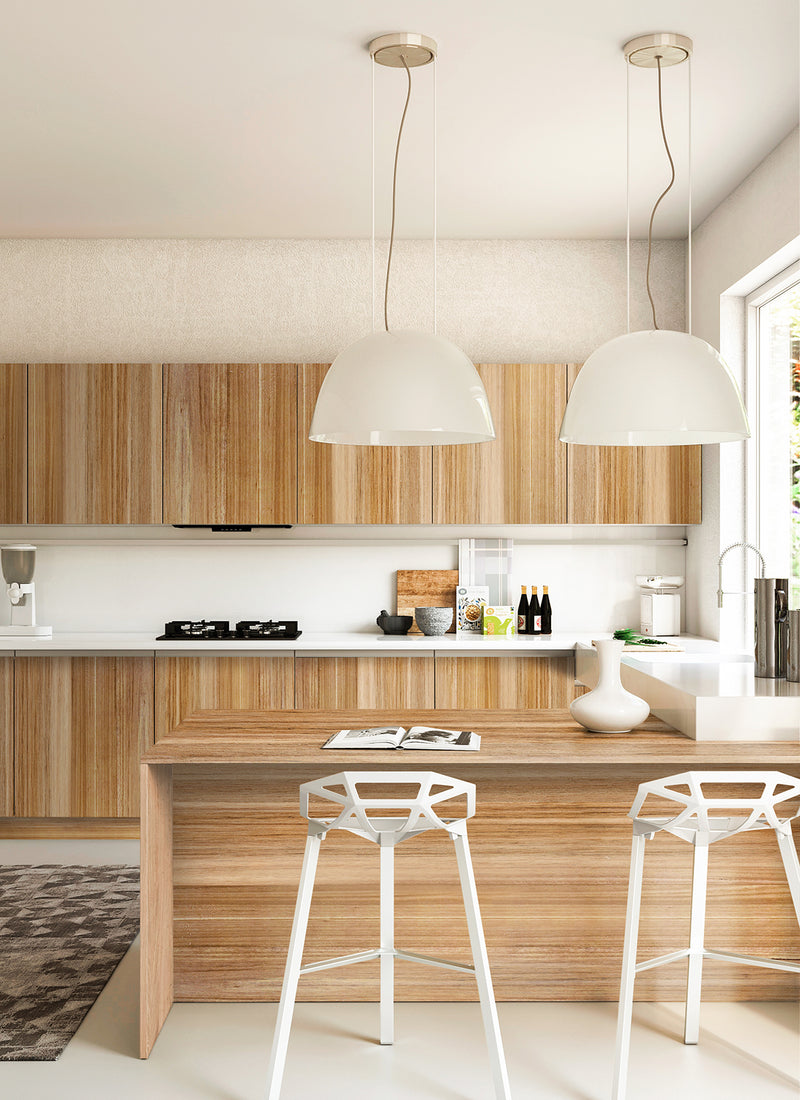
(401, 388)
(659, 386)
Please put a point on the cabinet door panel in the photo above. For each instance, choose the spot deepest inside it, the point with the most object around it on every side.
(357, 484)
(94, 443)
(332, 683)
(633, 484)
(6, 736)
(81, 723)
(185, 685)
(520, 477)
(13, 434)
(508, 681)
(230, 443)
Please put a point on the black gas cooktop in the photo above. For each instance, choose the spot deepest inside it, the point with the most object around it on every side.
(219, 630)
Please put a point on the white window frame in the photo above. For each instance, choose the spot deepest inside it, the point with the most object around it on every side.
(754, 382)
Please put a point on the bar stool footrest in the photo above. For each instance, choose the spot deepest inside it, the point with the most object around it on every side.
(753, 960)
(430, 960)
(377, 953)
(662, 960)
(342, 960)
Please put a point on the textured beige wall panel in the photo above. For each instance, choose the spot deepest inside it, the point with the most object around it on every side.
(300, 300)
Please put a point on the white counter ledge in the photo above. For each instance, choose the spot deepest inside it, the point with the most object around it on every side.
(308, 644)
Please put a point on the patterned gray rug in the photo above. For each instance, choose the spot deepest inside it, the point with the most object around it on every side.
(63, 930)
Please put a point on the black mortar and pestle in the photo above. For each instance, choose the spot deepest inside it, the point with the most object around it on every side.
(394, 624)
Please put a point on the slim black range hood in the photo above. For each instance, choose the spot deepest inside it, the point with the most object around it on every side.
(233, 526)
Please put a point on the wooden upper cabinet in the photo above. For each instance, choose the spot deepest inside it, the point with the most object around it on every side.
(81, 724)
(230, 443)
(13, 404)
(633, 484)
(343, 484)
(94, 443)
(520, 477)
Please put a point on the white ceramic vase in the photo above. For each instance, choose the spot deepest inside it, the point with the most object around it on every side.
(609, 708)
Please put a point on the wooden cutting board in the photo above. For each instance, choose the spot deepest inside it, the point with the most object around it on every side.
(426, 588)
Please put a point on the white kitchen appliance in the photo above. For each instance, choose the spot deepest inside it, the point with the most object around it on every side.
(18, 563)
(660, 606)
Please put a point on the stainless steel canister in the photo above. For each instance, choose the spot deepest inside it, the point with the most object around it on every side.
(771, 609)
(793, 647)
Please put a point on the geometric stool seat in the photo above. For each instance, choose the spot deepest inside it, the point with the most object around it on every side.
(386, 820)
(702, 820)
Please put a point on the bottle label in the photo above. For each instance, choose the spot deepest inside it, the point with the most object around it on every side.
(537, 623)
(522, 624)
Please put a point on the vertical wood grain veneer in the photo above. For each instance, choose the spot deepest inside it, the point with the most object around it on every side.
(6, 736)
(498, 682)
(186, 684)
(633, 484)
(13, 436)
(331, 683)
(230, 443)
(155, 960)
(357, 484)
(81, 723)
(94, 443)
(520, 477)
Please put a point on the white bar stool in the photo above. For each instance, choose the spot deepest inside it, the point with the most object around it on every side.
(419, 814)
(702, 820)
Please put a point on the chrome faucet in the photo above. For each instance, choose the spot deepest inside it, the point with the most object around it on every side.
(733, 545)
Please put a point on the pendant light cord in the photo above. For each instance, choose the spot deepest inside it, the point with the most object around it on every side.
(394, 199)
(666, 190)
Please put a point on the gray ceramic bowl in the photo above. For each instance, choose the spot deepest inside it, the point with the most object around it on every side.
(433, 620)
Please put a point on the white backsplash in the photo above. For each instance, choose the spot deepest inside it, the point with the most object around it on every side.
(102, 585)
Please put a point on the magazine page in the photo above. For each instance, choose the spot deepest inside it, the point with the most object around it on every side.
(376, 737)
(431, 737)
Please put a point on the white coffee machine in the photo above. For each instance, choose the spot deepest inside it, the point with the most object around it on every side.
(18, 563)
(660, 606)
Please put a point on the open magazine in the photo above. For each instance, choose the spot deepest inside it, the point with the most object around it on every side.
(396, 737)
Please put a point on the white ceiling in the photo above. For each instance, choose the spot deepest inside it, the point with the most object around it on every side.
(250, 118)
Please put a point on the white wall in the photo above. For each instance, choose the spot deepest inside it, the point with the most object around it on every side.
(107, 586)
(229, 301)
(751, 235)
(276, 301)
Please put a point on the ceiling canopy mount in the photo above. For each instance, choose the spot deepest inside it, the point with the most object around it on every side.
(403, 49)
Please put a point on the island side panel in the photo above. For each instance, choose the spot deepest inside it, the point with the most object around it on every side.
(551, 851)
(156, 958)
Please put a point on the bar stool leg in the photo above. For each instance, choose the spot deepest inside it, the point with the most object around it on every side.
(387, 944)
(620, 1082)
(283, 1024)
(491, 1024)
(694, 980)
(791, 865)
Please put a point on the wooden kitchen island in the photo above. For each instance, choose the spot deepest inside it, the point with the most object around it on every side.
(222, 844)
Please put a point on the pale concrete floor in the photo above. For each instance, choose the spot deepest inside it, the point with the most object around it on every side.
(554, 1051)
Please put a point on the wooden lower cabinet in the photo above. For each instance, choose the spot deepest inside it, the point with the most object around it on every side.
(80, 725)
(332, 683)
(535, 682)
(185, 685)
(6, 736)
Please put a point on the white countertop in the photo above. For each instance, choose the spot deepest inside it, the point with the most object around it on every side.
(706, 694)
(308, 643)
